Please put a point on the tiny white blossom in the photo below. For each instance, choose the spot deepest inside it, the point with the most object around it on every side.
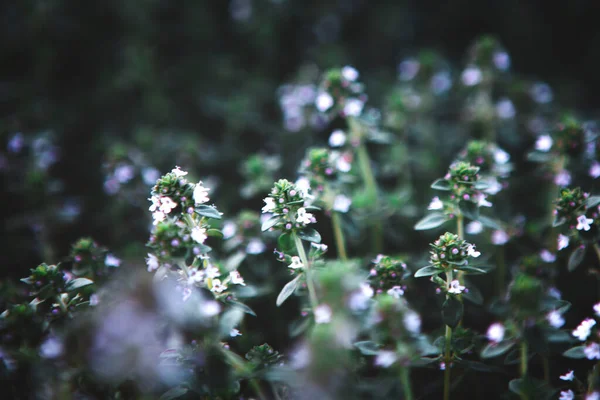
(435, 204)
(412, 321)
(323, 314)
(296, 263)
(200, 193)
(493, 186)
(569, 376)
(563, 241)
(592, 351)
(396, 292)
(269, 205)
(499, 237)
(555, 319)
(199, 234)
(229, 229)
(337, 138)
(319, 246)
(255, 246)
(584, 223)
(547, 256)
(112, 261)
(210, 308)
(152, 262)
(195, 277)
(471, 76)
(178, 172)
(385, 358)
(234, 332)
(350, 73)
(481, 200)
(166, 204)
(544, 143)
(353, 107)
(236, 278)
(563, 178)
(594, 170)
(341, 203)
(501, 157)
(495, 332)
(597, 309)
(304, 217)
(582, 332)
(472, 252)
(324, 101)
(303, 186)
(212, 272)
(474, 227)
(158, 216)
(566, 395)
(342, 164)
(456, 287)
(217, 286)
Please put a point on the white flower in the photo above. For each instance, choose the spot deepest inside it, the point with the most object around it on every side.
(152, 262)
(584, 223)
(563, 178)
(350, 73)
(472, 252)
(269, 205)
(212, 272)
(234, 332)
(199, 234)
(474, 227)
(359, 300)
(456, 287)
(555, 319)
(236, 278)
(353, 107)
(366, 290)
(595, 170)
(597, 309)
(501, 157)
(323, 314)
(195, 277)
(341, 203)
(385, 358)
(303, 186)
(593, 396)
(296, 263)
(396, 292)
(200, 193)
(155, 203)
(547, 256)
(255, 246)
(495, 332)
(471, 76)
(563, 241)
(178, 172)
(493, 186)
(343, 163)
(499, 237)
(566, 395)
(166, 204)
(94, 300)
(112, 261)
(544, 143)
(584, 329)
(592, 351)
(569, 376)
(324, 101)
(412, 321)
(303, 217)
(337, 138)
(481, 200)
(322, 247)
(210, 308)
(436, 204)
(217, 286)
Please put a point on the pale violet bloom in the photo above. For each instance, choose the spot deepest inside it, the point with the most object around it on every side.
(495, 332)
(456, 287)
(152, 262)
(124, 173)
(563, 241)
(229, 229)
(594, 170)
(51, 348)
(366, 290)
(547, 256)
(296, 263)
(255, 246)
(353, 107)
(597, 309)
(555, 319)
(566, 395)
(563, 178)
(396, 292)
(593, 396)
(178, 172)
(385, 358)
(304, 217)
(569, 376)
(341, 203)
(505, 109)
(584, 223)
(501, 157)
(337, 138)
(234, 332)
(269, 205)
(501, 60)
(323, 314)
(499, 237)
(210, 308)
(592, 351)
(200, 193)
(541, 93)
(584, 329)
(471, 76)
(217, 286)
(324, 101)
(112, 261)
(236, 278)
(472, 252)
(493, 186)
(342, 164)
(199, 234)
(481, 200)
(441, 82)
(474, 227)
(436, 204)
(150, 175)
(412, 321)
(94, 300)
(408, 69)
(350, 73)
(359, 300)
(544, 143)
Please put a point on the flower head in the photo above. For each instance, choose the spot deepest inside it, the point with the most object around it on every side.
(296, 263)
(269, 205)
(304, 217)
(152, 262)
(199, 234)
(543, 143)
(555, 319)
(236, 278)
(436, 204)
(200, 193)
(563, 241)
(584, 223)
(217, 286)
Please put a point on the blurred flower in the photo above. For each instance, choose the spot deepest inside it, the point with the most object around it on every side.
(568, 376)
(255, 246)
(594, 170)
(471, 76)
(385, 358)
(323, 314)
(566, 395)
(547, 256)
(199, 234)
(218, 286)
(435, 204)
(474, 227)
(150, 175)
(124, 173)
(563, 178)
(584, 329)
(501, 60)
(353, 107)
(408, 69)
(396, 291)
(555, 319)
(592, 351)
(52, 347)
(337, 138)
(350, 73)
(563, 241)
(16, 143)
(597, 309)
(499, 237)
(505, 109)
(152, 262)
(236, 278)
(541, 93)
(324, 101)
(112, 261)
(441, 82)
(495, 332)
(472, 252)
(412, 321)
(544, 143)
(341, 203)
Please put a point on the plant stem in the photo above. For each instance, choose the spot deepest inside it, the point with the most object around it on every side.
(257, 389)
(447, 360)
(546, 366)
(523, 359)
(312, 294)
(339, 235)
(405, 380)
(460, 225)
(597, 250)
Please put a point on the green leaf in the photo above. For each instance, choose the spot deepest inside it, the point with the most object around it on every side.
(214, 232)
(174, 393)
(592, 201)
(298, 326)
(271, 222)
(558, 221)
(481, 185)
(478, 366)
(367, 347)
(557, 336)
(452, 311)
(241, 306)
(78, 283)
(287, 290)
(467, 269)
(575, 352)
(537, 156)
(469, 209)
(310, 235)
(428, 271)
(441, 184)
(576, 258)
(489, 222)
(496, 349)
(285, 242)
(431, 221)
(208, 211)
(229, 320)
(473, 295)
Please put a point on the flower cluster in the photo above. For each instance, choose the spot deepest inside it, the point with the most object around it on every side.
(287, 204)
(244, 232)
(259, 172)
(451, 252)
(389, 275)
(340, 92)
(492, 160)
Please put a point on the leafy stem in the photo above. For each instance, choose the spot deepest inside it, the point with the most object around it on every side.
(312, 294)
(339, 235)
(405, 380)
(447, 348)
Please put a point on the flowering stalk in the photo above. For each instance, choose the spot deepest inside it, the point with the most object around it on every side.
(524, 365)
(312, 294)
(447, 347)
(339, 235)
(405, 380)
